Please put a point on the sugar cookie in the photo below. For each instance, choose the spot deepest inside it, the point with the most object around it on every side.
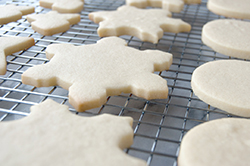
(9, 13)
(192, 1)
(146, 24)
(222, 142)
(230, 8)
(224, 84)
(52, 22)
(171, 5)
(63, 6)
(228, 37)
(93, 72)
(10, 45)
(52, 135)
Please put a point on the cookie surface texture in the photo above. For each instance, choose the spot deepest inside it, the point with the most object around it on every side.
(63, 6)
(10, 45)
(218, 142)
(192, 1)
(170, 5)
(9, 13)
(224, 84)
(63, 138)
(52, 22)
(228, 37)
(230, 8)
(93, 72)
(146, 24)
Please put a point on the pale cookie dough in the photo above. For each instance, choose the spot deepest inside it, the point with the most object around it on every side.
(93, 72)
(9, 13)
(230, 8)
(10, 45)
(146, 24)
(63, 6)
(228, 37)
(52, 22)
(222, 142)
(224, 84)
(53, 136)
(171, 5)
(192, 1)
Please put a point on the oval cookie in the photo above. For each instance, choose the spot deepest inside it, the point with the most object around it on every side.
(230, 8)
(224, 84)
(223, 142)
(228, 37)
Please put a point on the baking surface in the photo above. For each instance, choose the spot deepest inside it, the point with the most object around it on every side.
(159, 125)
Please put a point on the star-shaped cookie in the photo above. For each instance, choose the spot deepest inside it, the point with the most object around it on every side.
(9, 13)
(10, 45)
(171, 5)
(93, 72)
(51, 135)
(63, 6)
(52, 22)
(146, 24)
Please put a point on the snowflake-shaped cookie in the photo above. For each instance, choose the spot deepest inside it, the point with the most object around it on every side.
(93, 72)
(171, 5)
(52, 22)
(9, 13)
(52, 135)
(10, 45)
(146, 24)
(63, 6)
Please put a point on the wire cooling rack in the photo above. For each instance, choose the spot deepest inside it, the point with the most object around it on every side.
(159, 125)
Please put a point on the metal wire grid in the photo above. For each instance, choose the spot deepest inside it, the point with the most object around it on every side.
(159, 125)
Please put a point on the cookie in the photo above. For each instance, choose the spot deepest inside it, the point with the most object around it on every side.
(10, 45)
(218, 142)
(52, 22)
(52, 135)
(228, 37)
(63, 6)
(230, 8)
(146, 24)
(9, 13)
(224, 84)
(192, 1)
(93, 72)
(171, 5)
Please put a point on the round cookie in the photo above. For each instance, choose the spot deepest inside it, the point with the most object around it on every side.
(230, 8)
(228, 37)
(224, 84)
(223, 142)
